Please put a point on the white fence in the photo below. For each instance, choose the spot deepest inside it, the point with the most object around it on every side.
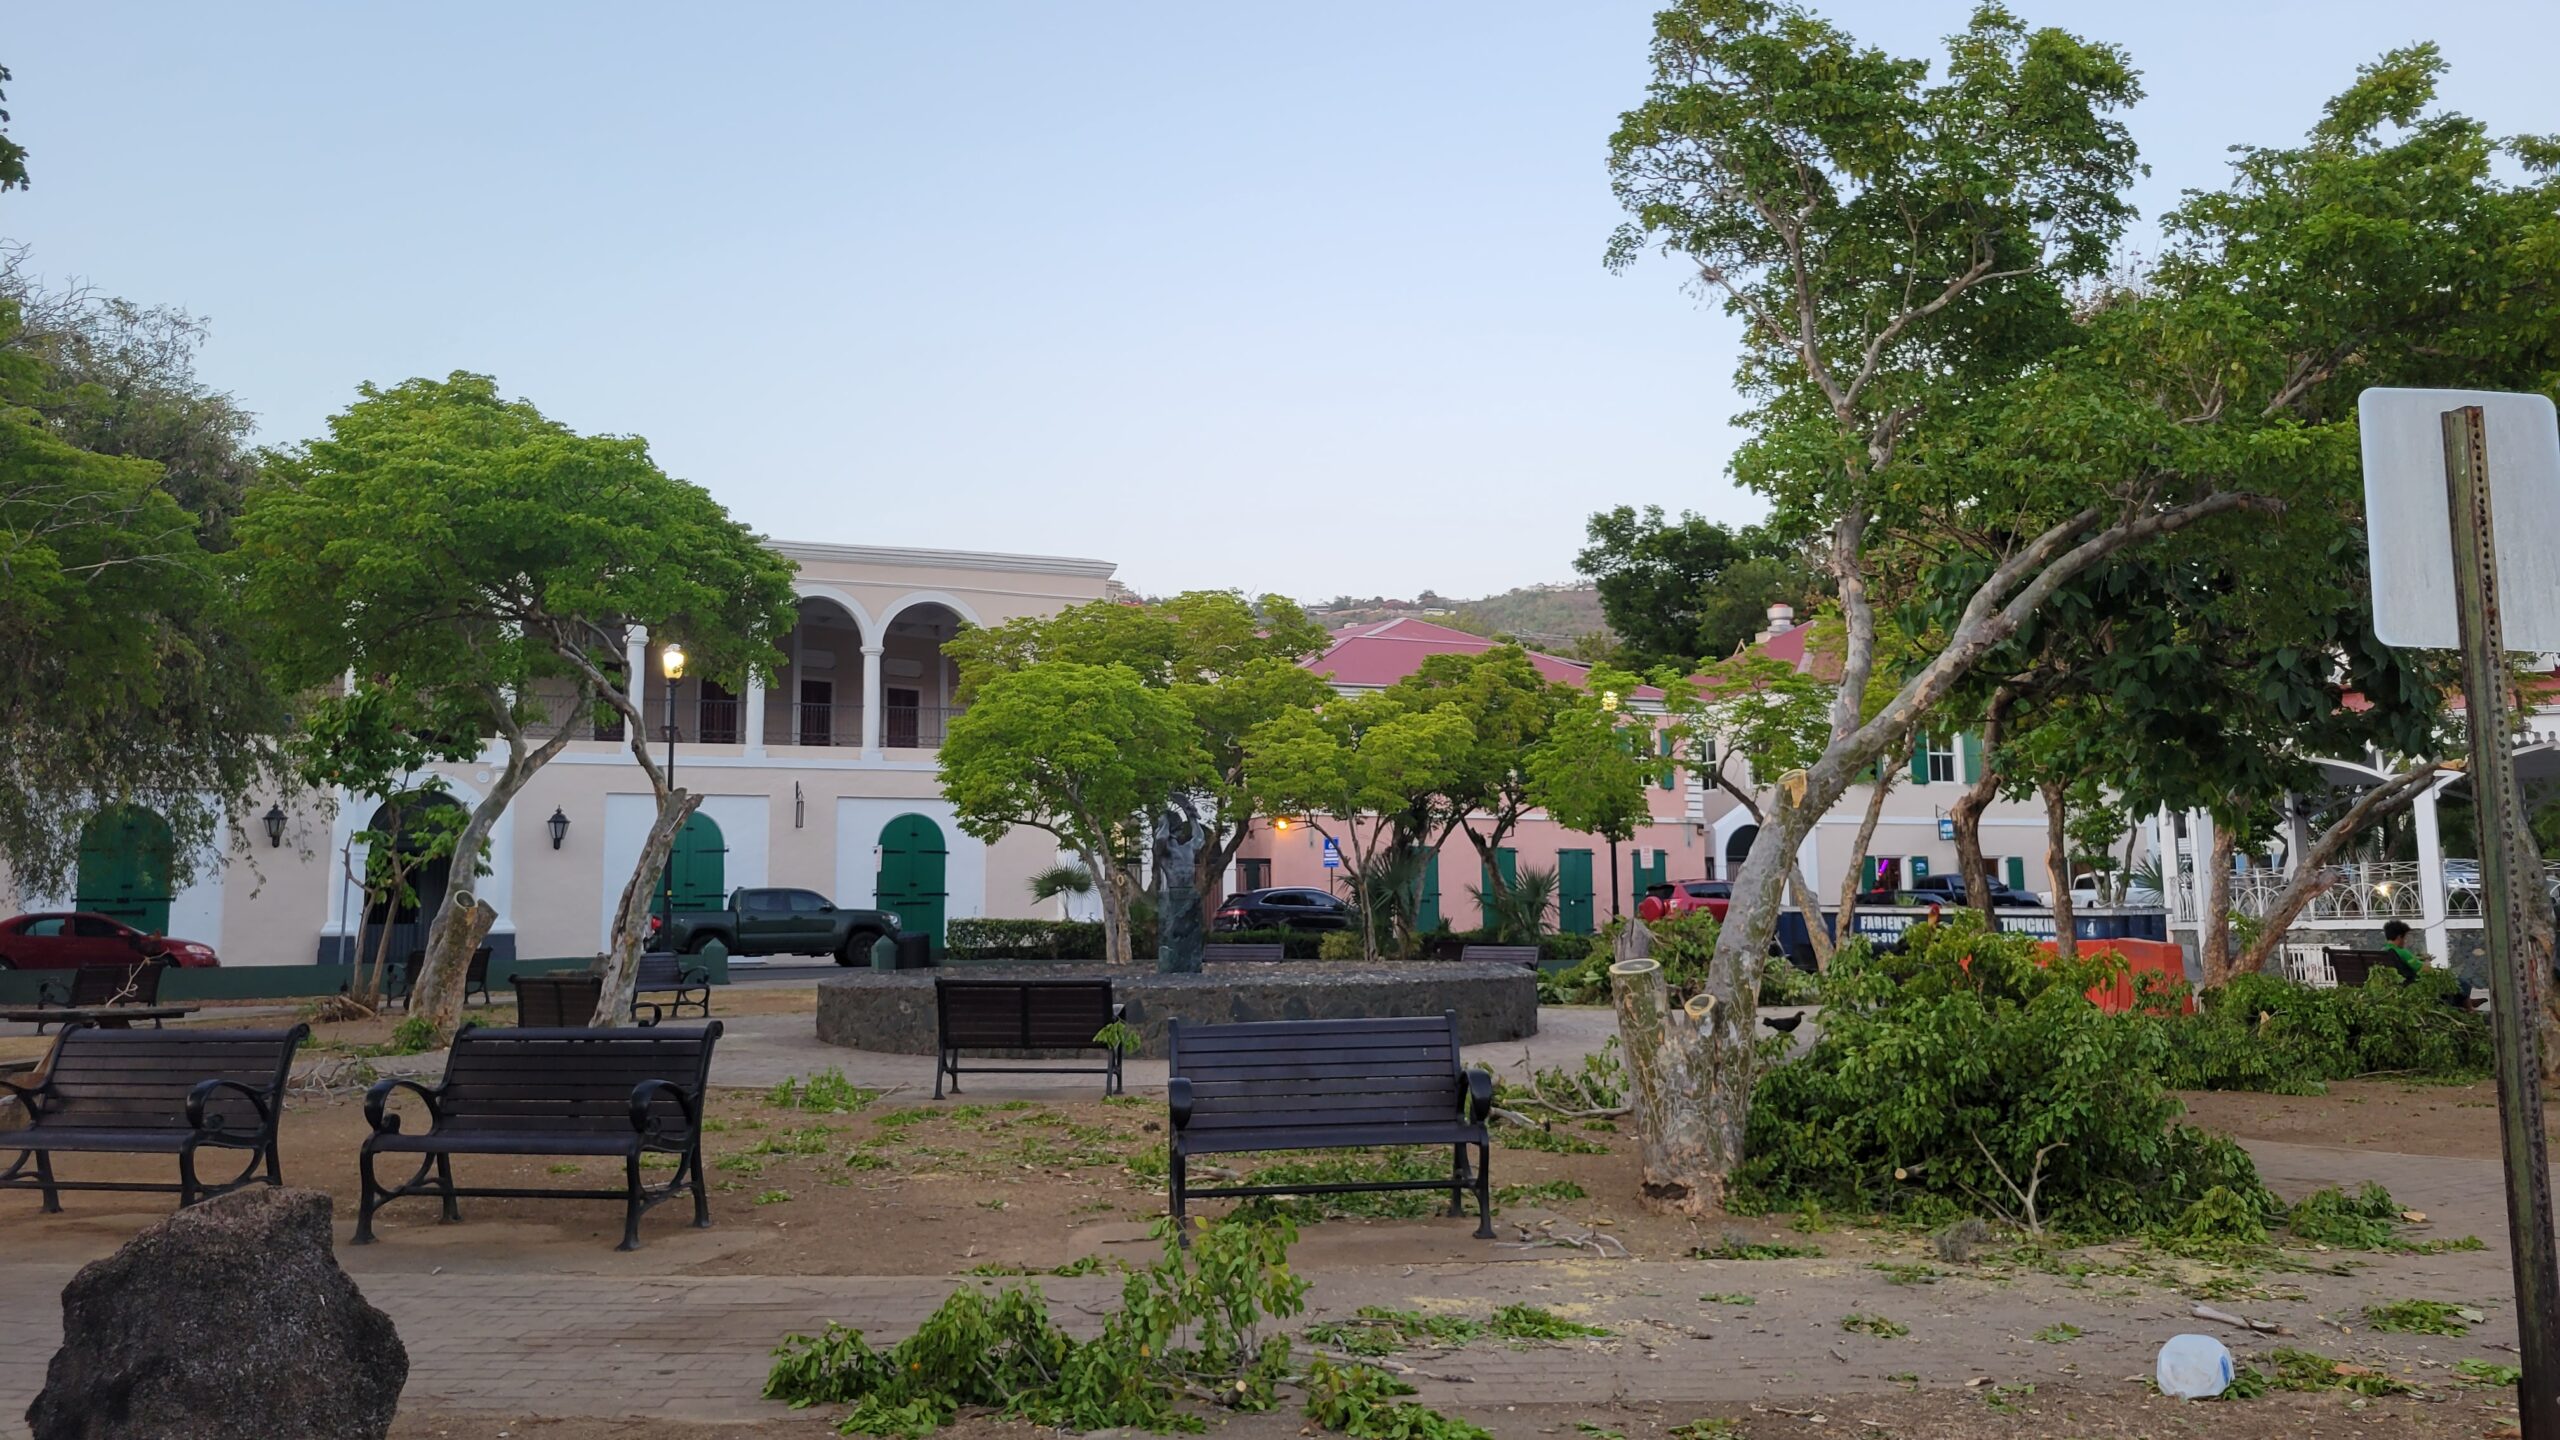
(2368, 890)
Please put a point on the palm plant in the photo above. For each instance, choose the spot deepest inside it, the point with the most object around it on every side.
(1517, 913)
(1064, 878)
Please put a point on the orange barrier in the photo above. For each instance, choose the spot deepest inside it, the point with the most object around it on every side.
(2155, 956)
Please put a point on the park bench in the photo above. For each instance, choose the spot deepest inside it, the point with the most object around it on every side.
(152, 1092)
(2351, 967)
(99, 986)
(600, 1093)
(1244, 952)
(474, 978)
(1523, 955)
(661, 973)
(563, 1001)
(1023, 1015)
(1323, 1085)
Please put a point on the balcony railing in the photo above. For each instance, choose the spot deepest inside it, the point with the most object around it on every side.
(2367, 890)
(902, 727)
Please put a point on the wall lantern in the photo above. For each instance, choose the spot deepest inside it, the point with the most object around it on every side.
(275, 826)
(559, 823)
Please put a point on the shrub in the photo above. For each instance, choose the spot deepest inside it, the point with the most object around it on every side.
(1969, 1072)
(1683, 943)
(2261, 1032)
(1024, 939)
(1340, 945)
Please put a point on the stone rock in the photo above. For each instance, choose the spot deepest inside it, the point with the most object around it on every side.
(227, 1321)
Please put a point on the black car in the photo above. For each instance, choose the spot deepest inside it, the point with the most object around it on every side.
(1949, 890)
(1282, 908)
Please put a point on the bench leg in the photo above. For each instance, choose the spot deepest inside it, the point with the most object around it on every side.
(371, 1201)
(1458, 1180)
(701, 1196)
(189, 1188)
(444, 1177)
(1112, 1084)
(275, 1166)
(1176, 1174)
(1484, 1192)
(630, 1202)
(44, 1179)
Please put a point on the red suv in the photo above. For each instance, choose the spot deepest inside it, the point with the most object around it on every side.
(73, 939)
(1680, 897)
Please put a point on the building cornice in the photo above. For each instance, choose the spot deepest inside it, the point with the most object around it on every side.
(806, 551)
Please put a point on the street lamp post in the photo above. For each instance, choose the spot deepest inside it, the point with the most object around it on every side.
(671, 664)
(1609, 705)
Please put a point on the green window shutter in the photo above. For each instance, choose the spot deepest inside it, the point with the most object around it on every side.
(1669, 772)
(1969, 752)
(2017, 872)
(1509, 860)
(1920, 761)
(1427, 914)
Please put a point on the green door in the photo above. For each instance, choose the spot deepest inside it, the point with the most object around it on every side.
(698, 867)
(1426, 914)
(911, 875)
(124, 868)
(1573, 891)
(1509, 860)
(1642, 874)
(2017, 876)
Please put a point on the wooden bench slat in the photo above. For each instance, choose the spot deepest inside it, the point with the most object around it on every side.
(125, 1091)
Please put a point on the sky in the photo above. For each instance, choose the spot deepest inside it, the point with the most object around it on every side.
(1301, 298)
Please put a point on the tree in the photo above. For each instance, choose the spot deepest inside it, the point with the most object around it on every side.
(13, 156)
(1366, 771)
(1509, 707)
(1675, 591)
(129, 683)
(1087, 753)
(487, 559)
(1232, 665)
(1590, 771)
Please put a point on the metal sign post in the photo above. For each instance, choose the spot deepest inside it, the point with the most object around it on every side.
(2510, 874)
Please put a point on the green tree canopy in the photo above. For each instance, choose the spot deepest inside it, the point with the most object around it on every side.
(1085, 752)
(1678, 591)
(1508, 706)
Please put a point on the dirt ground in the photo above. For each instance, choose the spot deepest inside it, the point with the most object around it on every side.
(2400, 1116)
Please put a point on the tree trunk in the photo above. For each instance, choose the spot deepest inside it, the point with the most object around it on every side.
(436, 998)
(619, 966)
(2057, 864)
(1688, 1080)
(1816, 935)
(2313, 856)
(1971, 863)
(1846, 925)
(2213, 926)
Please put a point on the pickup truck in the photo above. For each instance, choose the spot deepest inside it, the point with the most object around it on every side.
(1949, 890)
(778, 922)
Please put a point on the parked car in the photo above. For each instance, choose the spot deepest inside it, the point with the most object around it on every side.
(68, 940)
(777, 922)
(1680, 897)
(1281, 908)
(1949, 890)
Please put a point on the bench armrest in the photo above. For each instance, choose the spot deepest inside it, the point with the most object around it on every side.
(26, 1096)
(694, 975)
(645, 1120)
(1479, 1101)
(379, 1096)
(205, 1090)
(1177, 1095)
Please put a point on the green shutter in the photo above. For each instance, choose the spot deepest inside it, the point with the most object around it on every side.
(1509, 861)
(1573, 891)
(1969, 747)
(1669, 772)
(1920, 761)
(1426, 916)
(2017, 872)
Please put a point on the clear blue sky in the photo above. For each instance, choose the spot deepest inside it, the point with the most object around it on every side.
(1301, 297)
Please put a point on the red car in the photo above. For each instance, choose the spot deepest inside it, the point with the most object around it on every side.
(68, 940)
(1680, 897)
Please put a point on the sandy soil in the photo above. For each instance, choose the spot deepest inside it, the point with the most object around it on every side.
(2400, 1116)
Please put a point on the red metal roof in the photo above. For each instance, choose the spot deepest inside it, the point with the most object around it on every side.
(1382, 652)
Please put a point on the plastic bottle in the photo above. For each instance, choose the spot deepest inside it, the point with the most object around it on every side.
(2194, 1367)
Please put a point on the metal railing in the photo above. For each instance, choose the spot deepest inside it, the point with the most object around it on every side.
(815, 725)
(2371, 890)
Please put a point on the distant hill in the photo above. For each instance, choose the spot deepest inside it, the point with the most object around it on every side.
(1559, 619)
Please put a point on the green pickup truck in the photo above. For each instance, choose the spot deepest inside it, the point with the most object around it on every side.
(778, 922)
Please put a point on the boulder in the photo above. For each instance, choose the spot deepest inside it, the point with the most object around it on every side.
(227, 1321)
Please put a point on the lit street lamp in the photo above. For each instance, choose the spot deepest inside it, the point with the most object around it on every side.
(671, 664)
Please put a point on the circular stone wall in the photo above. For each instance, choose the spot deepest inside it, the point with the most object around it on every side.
(892, 1010)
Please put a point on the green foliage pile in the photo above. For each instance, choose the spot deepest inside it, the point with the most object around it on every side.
(2261, 1032)
(1343, 1167)
(1365, 1402)
(826, 1091)
(1970, 1070)
(2367, 1220)
(1191, 1321)
(1599, 1083)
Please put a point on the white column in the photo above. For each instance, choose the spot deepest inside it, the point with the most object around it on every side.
(2431, 872)
(2200, 857)
(635, 668)
(870, 702)
(755, 714)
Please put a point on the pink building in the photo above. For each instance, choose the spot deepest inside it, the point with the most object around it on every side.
(1679, 844)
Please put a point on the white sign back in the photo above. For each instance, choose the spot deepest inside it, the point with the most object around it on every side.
(2409, 527)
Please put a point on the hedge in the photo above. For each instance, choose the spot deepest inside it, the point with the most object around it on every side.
(1082, 940)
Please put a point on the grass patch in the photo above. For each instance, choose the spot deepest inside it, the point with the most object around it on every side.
(1377, 1330)
(1727, 1297)
(2060, 1333)
(1713, 1428)
(1544, 1192)
(1734, 1247)
(2308, 1371)
(2422, 1317)
(1908, 1272)
(773, 1197)
(1345, 1168)
(1512, 1137)
(827, 1090)
(1528, 1322)
(1861, 1324)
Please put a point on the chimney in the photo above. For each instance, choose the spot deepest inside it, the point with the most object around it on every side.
(1782, 618)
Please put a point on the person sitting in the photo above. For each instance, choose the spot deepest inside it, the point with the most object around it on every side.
(2395, 938)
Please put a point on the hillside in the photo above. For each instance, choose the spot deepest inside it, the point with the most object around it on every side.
(1555, 618)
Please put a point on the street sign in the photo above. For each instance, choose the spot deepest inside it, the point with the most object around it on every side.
(2410, 532)
(2481, 575)
(1946, 827)
(1332, 854)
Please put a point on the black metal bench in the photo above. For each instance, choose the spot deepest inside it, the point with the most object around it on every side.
(475, 978)
(662, 973)
(564, 1001)
(152, 1092)
(1244, 952)
(1023, 1015)
(1526, 955)
(99, 986)
(609, 1093)
(1325, 1085)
